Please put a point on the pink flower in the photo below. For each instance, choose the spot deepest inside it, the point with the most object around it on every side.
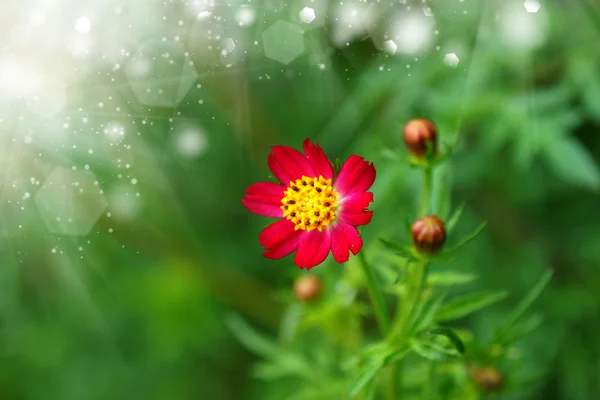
(318, 211)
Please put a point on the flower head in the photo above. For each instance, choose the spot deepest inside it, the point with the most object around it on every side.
(318, 211)
(307, 288)
(488, 378)
(429, 234)
(418, 134)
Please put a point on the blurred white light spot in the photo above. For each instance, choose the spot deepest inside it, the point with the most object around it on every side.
(160, 73)
(227, 46)
(203, 15)
(80, 45)
(427, 11)
(351, 20)
(19, 77)
(245, 16)
(83, 25)
(191, 143)
(307, 15)
(451, 60)
(114, 131)
(532, 6)
(283, 42)
(521, 30)
(70, 202)
(412, 33)
(390, 47)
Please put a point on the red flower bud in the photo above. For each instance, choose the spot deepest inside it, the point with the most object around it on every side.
(428, 234)
(489, 379)
(417, 134)
(307, 288)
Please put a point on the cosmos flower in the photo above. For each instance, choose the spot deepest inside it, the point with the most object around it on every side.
(318, 211)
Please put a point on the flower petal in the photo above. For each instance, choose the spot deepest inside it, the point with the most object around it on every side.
(356, 219)
(286, 247)
(357, 202)
(313, 248)
(356, 175)
(317, 158)
(276, 233)
(289, 164)
(344, 237)
(264, 198)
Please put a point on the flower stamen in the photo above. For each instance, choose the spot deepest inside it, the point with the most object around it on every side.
(310, 203)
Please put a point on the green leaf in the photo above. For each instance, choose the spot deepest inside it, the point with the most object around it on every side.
(512, 330)
(464, 305)
(425, 315)
(520, 329)
(449, 278)
(251, 339)
(454, 218)
(452, 336)
(531, 296)
(430, 349)
(572, 162)
(397, 354)
(290, 322)
(402, 250)
(365, 377)
(468, 238)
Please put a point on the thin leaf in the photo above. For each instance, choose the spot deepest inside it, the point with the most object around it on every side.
(454, 218)
(452, 336)
(425, 315)
(531, 296)
(401, 250)
(468, 238)
(397, 354)
(366, 376)
(572, 162)
(449, 278)
(251, 339)
(520, 329)
(467, 304)
(433, 351)
(290, 321)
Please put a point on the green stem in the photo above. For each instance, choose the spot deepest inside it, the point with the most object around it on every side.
(413, 297)
(394, 379)
(375, 294)
(430, 389)
(426, 194)
(381, 314)
(423, 269)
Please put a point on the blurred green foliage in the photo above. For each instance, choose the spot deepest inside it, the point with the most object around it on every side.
(141, 312)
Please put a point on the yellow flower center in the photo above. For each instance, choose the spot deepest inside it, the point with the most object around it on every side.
(310, 203)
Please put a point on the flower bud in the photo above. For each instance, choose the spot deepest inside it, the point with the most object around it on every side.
(307, 288)
(489, 379)
(417, 134)
(428, 234)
